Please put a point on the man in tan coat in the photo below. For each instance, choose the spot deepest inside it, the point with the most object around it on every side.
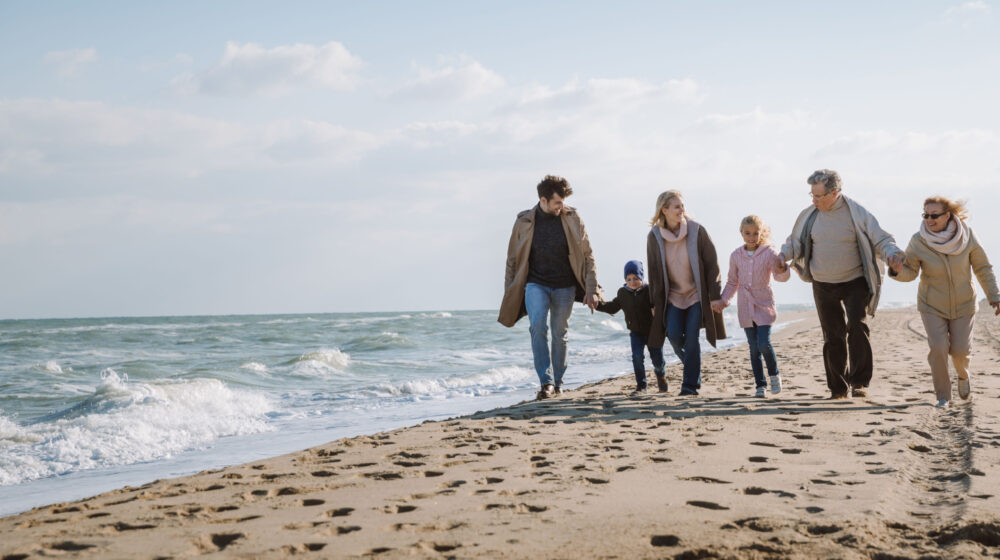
(549, 266)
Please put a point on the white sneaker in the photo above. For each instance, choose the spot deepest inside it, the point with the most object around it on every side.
(964, 388)
(942, 403)
(775, 384)
(760, 393)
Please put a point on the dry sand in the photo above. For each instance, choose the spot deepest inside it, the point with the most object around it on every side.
(597, 474)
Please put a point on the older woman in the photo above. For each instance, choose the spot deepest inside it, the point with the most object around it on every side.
(945, 253)
(684, 280)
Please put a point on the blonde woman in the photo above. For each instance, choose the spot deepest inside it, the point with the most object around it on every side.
(683, 281)
(945, 253)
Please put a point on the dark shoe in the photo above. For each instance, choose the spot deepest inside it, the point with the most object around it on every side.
(547, 392)
(860, 392)
(639, 391)
(558, 390)
(661, 383)
(688, 393)
(837, 397)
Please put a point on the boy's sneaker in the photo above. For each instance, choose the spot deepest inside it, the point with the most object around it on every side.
(760, 392)
(942, 403)
(639, 391)
(547, 392)
(775, 384)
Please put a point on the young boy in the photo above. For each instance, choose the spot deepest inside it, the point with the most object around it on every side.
(633, 299)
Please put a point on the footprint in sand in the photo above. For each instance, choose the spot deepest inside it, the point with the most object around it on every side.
(706, 505)
(706, 479)
(399, 509)
(664, 540)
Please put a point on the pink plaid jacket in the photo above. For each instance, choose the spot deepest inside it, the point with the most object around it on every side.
(750, 277)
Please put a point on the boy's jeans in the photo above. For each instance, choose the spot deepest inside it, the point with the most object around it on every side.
(759, 339)
(683, 326)
(639, 343)
(556, 304)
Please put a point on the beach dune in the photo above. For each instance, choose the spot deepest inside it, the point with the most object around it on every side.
(597, 474)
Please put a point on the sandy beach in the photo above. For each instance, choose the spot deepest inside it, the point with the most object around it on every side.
(595, 473)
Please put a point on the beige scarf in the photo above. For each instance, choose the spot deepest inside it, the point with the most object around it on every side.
(671, 236)
(952, 240)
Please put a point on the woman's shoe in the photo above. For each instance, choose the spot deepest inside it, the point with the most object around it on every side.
(964, 388)
(760, 392)
(661, 383)
(942, 403)
(547, 392)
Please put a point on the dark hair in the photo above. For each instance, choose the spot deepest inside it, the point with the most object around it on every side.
(553, 184)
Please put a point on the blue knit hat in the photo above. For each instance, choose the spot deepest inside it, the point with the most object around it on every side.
(634, 267)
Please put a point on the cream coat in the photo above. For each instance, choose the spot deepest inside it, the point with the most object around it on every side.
(945, 286)
(581, 259)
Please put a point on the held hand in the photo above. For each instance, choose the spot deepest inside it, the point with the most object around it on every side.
(780, 265)
(590, 300)
(717, 306)
(896, 262)
(996, 307)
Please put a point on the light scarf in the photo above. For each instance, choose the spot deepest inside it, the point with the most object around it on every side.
(952, 240)
(671, 236)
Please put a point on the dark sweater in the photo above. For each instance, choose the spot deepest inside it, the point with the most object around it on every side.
(636, 305)
(548, 263)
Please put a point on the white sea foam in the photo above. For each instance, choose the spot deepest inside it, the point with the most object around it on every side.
(506, 377)
(438, 315)
(381, 341)
(52, 366)
(613, 325)
(321, 363)
(255, 366)
(125, 422)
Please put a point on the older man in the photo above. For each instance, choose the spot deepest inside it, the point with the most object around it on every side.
(839, 246)
(549, 265)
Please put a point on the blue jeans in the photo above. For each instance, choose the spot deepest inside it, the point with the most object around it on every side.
(556, 305)
(639, 343)
(682, 332)
(759, 339)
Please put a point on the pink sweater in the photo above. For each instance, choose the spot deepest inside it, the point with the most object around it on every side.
(750, 277)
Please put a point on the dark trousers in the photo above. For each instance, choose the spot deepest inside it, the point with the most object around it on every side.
(639, 344)
(841, 309)
(759, 341)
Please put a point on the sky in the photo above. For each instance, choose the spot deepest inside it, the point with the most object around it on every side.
(190, 158)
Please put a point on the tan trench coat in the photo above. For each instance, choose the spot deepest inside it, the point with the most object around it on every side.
(581, 258)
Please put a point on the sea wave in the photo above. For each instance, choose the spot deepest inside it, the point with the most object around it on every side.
(255, 366)
(125, 422)
(380, 341)
(321, 362)
(493, 380)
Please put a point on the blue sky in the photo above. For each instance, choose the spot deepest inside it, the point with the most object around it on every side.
(181, 158)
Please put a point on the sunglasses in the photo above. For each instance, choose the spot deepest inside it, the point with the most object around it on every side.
(933, 216)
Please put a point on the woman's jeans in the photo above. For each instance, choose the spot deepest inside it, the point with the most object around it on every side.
(682, 331)
(556, 305)
(639, 344)
(759, 339)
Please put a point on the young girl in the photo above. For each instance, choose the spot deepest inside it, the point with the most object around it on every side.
(750, 269)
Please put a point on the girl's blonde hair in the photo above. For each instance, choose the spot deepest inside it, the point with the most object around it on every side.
(954, 207)
(662, 201)
(754, 220)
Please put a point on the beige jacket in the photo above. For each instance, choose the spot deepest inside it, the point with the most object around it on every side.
(581, 258)
(946, 280)
(874, 242)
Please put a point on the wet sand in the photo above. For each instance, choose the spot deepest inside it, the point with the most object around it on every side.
(595, 473)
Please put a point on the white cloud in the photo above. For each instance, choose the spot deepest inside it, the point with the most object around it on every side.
(55, 136)
(756, 119)
(464, 79)
(967, 12)
(72, 62)
(603, 94)
(950, 143)
(250, 69)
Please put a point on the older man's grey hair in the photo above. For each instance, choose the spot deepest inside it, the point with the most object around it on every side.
(829, 178)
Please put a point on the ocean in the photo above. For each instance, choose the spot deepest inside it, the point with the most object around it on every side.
(89, 405)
